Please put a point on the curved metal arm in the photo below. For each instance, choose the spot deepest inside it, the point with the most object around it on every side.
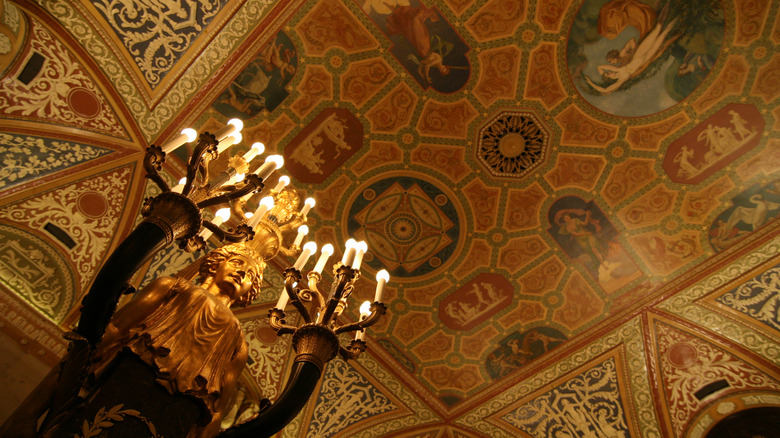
(207, 143)
(294, 276)
(153, 161)
(300, 386)
(377, 310)
(344, 277)
(277, 322)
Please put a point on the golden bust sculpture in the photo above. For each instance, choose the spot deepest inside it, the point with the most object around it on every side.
(182, 337)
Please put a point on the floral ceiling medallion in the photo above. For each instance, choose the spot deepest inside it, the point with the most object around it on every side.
(512, 143)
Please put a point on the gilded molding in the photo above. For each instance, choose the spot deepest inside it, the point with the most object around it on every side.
(152, 122)
(684, 303)
(629, 335)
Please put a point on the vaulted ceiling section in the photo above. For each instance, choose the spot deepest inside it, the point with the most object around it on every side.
(576, 200)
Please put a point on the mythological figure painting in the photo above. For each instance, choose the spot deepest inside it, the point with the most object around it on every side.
(584, 233)
(714, 143)
(424, 42)
(519, 349)
(324, 145)
(261, 86)
(476, 301)
(653, 51)
(750, 210)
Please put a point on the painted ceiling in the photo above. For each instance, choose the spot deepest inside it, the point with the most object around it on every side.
(576, 201)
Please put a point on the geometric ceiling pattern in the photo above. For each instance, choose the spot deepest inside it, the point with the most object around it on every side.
(577, 201)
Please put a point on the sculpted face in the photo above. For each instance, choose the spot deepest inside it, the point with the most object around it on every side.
(235, 275)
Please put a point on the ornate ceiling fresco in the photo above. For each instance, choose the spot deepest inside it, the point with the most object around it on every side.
(576, 200)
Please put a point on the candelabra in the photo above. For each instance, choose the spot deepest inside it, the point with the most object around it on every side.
(321, 315)
(176, 215)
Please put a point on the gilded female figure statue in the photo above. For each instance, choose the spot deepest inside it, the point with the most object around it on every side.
(170, 358)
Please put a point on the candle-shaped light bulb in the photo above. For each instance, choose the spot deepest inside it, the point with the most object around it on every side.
(382, 277)
(256, 149)
(220, 216)
(283, 181)
(307, 205)
(237, 178)
(325, 253)
(234, 138)
(233, 126)
(283, 299)
(308, 249)
(361, 248)
(302, 231)
(272, 162)
(179, 187)
(266, 204)
(349, 252)
(365, 309)
(187, 135)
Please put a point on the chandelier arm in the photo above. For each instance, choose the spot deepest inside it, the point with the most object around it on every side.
(252, 184)
(355, 348)
(153, 161)
(215, 200)
(314, 279)
(377, 310)
(343, 278)
(198, 160)
(294, 276)
(290, 252)
(296, 221)
(300, 386)
(277, 322)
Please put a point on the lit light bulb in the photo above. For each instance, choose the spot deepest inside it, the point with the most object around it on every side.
(272, 162)
(361, 248)
(256, 149)
(307, 205)
(349, 252)
(382, 277)
(325, 253)
(179, 187)
(233, 126)
(365, 309)
(187, 135)
(308, 249)
(266, 204)
(234, 138)
(302, 231)
(283, 181)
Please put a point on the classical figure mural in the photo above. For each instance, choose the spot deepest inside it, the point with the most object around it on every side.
(750, 210)
(587, 236)
(424, 42)
(657, 51)
(262, 84)
(326, 143)
(519, 348)
(714, 143)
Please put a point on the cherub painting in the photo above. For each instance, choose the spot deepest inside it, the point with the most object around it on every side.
(261, 85)
(653, 51)
(423, 42)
